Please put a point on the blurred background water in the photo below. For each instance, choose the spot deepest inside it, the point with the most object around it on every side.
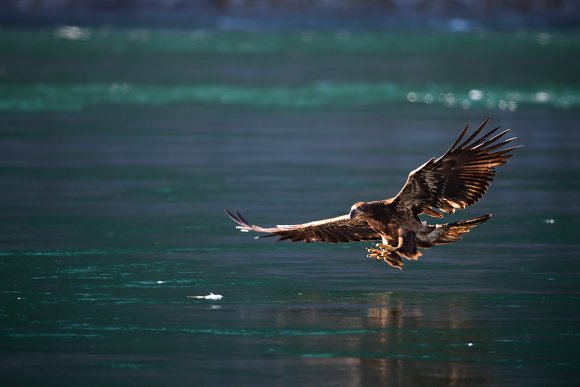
(126, 130)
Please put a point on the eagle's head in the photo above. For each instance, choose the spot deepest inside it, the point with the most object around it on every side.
(359, 210)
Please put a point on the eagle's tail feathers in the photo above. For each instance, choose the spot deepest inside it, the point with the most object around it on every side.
(451, 232)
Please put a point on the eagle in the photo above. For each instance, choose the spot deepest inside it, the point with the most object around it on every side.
(457, 179)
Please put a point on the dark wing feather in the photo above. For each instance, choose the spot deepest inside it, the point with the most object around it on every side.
(334, 230)
(460, 177)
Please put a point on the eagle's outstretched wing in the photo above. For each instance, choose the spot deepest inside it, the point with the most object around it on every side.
(459, 178)
(335, 230)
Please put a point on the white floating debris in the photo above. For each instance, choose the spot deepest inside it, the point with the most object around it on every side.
(549, 221)
(210, 296)
(470, 344)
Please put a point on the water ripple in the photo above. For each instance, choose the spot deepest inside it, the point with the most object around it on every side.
(78, 96)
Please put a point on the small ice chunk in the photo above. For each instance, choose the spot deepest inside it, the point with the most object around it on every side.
(210, 296)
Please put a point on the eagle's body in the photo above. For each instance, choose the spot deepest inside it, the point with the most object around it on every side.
(453, 181)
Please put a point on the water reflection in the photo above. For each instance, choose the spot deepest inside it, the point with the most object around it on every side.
(393, 372)
(391, 341)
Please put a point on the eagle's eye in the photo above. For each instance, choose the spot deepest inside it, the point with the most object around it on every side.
(357, 209)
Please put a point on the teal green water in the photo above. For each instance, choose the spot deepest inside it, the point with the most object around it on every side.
(322, 94)
(120, 148)
(82, 67)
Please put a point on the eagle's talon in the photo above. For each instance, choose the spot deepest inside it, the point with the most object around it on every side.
(387, 254)
(384, 247)
(374, 253)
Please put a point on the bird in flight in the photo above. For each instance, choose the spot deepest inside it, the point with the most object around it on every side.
(453, 181)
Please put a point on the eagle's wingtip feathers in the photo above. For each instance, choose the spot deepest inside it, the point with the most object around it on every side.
(239, 219)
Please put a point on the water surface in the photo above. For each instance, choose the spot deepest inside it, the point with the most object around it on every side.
(120, 148)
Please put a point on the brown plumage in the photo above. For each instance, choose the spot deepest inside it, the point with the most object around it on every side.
(453, 181)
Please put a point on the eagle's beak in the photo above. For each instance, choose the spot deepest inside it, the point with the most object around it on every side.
(353, 213)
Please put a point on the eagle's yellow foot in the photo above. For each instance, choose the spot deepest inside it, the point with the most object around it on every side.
(388, 248)
(386, 253)
(380, 252)
(374, 253)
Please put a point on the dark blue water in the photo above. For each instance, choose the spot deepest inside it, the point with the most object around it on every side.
(117, 157)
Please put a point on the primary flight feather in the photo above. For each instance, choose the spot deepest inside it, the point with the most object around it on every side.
(453, 181)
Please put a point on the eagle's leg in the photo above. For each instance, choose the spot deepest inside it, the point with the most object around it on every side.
(407, 246)
(394, 259)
